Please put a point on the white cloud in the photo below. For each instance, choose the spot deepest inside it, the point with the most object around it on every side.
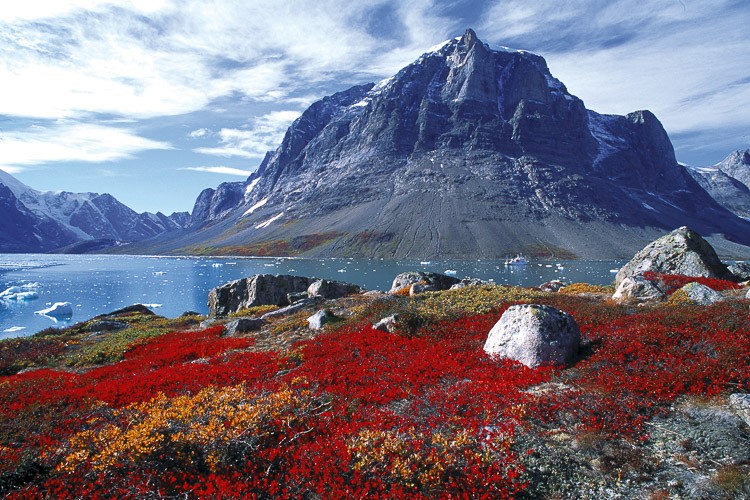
(197, 134)
(220, 170)
(70, 142)
(685, 61)
(264, 134)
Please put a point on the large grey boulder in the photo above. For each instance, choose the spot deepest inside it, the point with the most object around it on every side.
(330, 290)
(534, 335)
(740, 404)
(740, 271)
(257, 290)
(701, 294)
(638, 289)
(683, 251)
(436, 280)
(243, 325)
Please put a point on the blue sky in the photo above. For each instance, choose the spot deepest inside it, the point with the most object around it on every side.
(154, 100)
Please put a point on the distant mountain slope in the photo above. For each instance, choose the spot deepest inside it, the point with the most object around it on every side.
(728, 182)
(35, 221)
(469, 152)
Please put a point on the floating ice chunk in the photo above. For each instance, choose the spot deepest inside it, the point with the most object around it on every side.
(425, 263)
(57, 310)
(451, 272)
(19, 293)
(13, 329)
(216, 264)
(9, 292)
(160, 273)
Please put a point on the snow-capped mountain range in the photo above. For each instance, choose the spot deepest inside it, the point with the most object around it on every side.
(35, 221)
(728, 182)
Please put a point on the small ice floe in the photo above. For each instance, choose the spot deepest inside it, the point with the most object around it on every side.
(451, 272)
(342, 270)
(160, 273)
(216, 264)
(24, 292)
(57, 310)
(14, 329)
(548, 265)
(614, 271)
(425, 263)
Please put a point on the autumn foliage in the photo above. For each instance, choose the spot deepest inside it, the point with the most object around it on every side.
(353, 412)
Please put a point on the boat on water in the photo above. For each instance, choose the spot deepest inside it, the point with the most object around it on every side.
(518, 260)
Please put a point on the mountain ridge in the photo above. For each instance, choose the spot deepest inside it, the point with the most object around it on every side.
(466, 152)
(37, 221)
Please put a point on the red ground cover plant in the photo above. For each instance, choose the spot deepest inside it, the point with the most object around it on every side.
(673, 282)
(354, 412)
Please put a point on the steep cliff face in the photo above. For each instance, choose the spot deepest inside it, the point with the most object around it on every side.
(467, 152)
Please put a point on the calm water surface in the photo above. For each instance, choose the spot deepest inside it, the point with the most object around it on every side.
(97, 284)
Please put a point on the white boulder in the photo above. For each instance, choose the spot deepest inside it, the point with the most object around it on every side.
(637, 289)
(534, 335)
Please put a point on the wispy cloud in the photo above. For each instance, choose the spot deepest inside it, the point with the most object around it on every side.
(678, 59)
(198, 133)
(263, 134)
(71, 142)
(220, 170)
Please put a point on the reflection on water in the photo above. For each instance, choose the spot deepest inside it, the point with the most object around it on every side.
(97, 284)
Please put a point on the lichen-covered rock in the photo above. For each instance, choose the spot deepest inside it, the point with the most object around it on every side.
(293, 308)
(700, 294)
(469, 282)
(257, 290)
(534, 335)
(243, 325)
(740, 404)
(740, 271)
(683, 251)
(320, 318)
(439, 281)
(552, 286)
(637, 289)
(418, 288)
(388, 324)
(330, 290)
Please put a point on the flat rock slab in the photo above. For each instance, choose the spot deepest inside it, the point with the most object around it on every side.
(243, 325)
(534, 335)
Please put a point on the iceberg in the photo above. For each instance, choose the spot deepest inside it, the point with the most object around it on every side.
(24, 292)
(57, 310)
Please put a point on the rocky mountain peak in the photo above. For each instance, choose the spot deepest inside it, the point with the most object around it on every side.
(470, 150)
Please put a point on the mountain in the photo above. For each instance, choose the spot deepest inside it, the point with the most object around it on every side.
(469, 152)
(728, 182)
(35, 221)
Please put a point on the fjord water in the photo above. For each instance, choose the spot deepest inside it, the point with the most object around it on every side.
(97, 284)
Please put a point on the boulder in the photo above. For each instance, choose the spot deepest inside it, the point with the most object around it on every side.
(740, 404)
(439, 281)
(330, 290)
(320, 318)
(534, 335)
(243, 325)
(740, 271)
(552, 286)
(638, 289)
(257, 290)
(418, 288)
(748, 295)
(683, 251)
(293, 308)
(700, 294)
(388, 324)
(106, 325)
(469, 282)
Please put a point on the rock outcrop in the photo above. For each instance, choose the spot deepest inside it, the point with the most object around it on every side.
(534, 335)
(261, 289)
(740, 271)
(683, 251)
(638, 289)
(435, 281)
(330, 290)
(318, 320)
(700, 294)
